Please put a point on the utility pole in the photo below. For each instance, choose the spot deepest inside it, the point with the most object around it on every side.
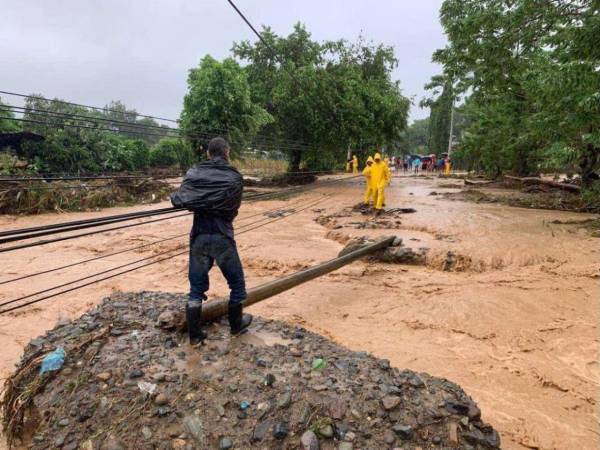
(451, 128)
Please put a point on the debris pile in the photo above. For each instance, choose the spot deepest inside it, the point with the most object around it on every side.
(130, 380)
(394, 254)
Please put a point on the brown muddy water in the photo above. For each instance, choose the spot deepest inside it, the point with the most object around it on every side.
(515, 323)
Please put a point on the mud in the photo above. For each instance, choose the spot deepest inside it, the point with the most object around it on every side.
(516, 326)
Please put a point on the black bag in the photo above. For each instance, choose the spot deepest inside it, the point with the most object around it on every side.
(212, 187)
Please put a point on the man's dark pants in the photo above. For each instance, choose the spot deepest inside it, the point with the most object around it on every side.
(205, 251)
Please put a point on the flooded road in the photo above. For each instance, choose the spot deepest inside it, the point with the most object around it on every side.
(515, 323)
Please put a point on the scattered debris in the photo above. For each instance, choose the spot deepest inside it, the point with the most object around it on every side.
(352, 401)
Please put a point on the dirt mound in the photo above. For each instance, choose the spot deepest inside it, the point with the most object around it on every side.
(534, 198)
(129, 380)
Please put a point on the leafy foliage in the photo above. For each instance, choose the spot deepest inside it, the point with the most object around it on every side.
(219, 100)
(170, 151)
(71, 146)
(331, 95)
(530, 69)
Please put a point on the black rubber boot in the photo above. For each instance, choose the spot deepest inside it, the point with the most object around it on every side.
(193, 315)
(238, 322)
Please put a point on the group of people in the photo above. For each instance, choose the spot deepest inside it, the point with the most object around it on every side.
(378, 175)
(430, 164)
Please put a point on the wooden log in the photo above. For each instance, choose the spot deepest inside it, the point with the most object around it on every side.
(554, 184)
(216, 308)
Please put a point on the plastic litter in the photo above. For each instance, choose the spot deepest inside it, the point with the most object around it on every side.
(244, 405)
(53, 360)
(318, 364)
(147, 388)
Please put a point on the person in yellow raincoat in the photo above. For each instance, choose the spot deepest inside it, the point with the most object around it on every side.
(369, 191)
(354, 164)
(386, 160)
(379, 180)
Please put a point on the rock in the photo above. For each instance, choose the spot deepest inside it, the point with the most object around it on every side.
(436, 440)
(260, 430)
(284, 400)
(269, 379)
(136, 373)
(350, 436)
(194, 428)
(280, 431)
(104, 376)
(345, 446)
(161, 399)
(166, 321)
(225, 443)
(488, 439)
(63, 422)
(326, 431)
(390, 402)
(147, 433)
(112, 443)
(389, 437)
(232, 387)
(178, 444)
(337, 408)
(309, 441)
(384, 364)
(404, 432)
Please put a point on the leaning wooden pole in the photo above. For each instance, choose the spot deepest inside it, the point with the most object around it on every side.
(214, 309)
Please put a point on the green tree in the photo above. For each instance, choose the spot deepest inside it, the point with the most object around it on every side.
(531, 71)
(169, 152)
(331, 96)
(6, 125)
(219, 102)
(416, 137)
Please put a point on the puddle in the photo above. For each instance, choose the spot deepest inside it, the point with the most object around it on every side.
(263, 338)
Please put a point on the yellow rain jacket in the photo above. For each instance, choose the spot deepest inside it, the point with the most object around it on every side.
(379, 179)
(354, 164)
(386, 160)
(369, 191)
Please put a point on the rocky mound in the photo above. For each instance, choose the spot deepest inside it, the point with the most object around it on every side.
(130, 380)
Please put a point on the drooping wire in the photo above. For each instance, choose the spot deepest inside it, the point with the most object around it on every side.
(12, 280)
(142, 215)
(23, 305)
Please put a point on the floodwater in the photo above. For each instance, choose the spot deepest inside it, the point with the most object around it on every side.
(516, 325)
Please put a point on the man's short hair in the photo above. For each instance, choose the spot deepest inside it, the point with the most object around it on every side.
(217, 147)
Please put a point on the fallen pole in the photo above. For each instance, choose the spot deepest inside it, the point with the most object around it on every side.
(214, 309)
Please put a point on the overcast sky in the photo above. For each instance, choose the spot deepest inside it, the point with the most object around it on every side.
(139, 52)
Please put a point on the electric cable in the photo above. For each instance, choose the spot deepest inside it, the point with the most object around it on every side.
(23, 305)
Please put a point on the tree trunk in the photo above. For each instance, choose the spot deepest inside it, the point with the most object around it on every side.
(588, 163)
(295, 158)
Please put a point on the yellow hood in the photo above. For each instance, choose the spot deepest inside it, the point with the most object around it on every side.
(370, 160)
(377, 156)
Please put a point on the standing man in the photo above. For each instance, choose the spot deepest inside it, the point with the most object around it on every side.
(379, 180)
(354, 164)
(369, 191)
(213, 190)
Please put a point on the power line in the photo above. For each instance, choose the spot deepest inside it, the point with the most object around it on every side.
(269, 143)
(12, 280)
(23, 305)
(212, 129)
(89, 233)
(164, 131)
(129, 113)
(52, 229)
